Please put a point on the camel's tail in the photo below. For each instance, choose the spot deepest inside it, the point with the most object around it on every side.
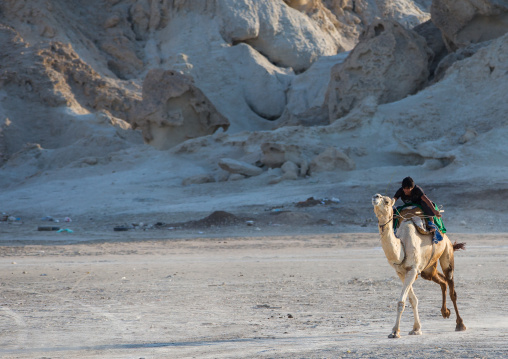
(459, 246)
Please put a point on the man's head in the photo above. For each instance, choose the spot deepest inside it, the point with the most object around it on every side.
(407, 185)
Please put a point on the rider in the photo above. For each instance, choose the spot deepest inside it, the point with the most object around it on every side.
(411, 193)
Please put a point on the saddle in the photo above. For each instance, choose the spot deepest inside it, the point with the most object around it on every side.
(415, 214)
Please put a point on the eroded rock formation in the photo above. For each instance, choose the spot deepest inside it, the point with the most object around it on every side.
(173, 110)
(389, 63)
(469, 21)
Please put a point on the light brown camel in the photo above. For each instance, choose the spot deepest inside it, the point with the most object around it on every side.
(410, 254)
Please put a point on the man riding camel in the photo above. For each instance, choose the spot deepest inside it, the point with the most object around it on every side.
(411, 193)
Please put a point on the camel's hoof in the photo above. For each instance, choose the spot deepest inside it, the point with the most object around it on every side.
(415, 332)
(446, 313)
(460, 327)
(394, 335)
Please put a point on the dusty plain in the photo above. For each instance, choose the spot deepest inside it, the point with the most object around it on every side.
(238, 292)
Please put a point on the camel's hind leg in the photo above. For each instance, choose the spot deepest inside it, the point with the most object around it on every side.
(432, 274)
(447, 264)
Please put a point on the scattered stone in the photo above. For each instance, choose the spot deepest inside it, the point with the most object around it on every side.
(275, 154)
(468, 136)
(91, 161)
(239, 167)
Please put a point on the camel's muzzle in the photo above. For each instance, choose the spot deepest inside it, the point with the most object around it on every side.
(376, 199)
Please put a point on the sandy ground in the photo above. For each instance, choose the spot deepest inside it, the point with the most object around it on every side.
(324, 295)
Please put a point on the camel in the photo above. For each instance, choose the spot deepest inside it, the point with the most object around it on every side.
(410, 254)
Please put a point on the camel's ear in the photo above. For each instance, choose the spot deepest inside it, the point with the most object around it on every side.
(393, 202)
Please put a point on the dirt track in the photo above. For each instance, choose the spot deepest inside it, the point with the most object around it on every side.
(322, 296)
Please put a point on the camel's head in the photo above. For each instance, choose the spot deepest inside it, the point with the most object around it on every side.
(383, 206)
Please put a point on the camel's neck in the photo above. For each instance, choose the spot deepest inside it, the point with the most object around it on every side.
(394, 251)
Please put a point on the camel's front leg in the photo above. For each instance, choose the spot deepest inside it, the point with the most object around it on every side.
(408, 280)
(417, 329)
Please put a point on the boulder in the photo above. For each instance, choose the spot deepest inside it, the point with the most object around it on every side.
(469, 21)
(173, 110)
(389, 63)
(239, 167)
(468, 136)
(275, 154)
(330, 160)
(290, 170)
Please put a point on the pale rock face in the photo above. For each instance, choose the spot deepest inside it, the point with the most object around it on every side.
(341, 27)
(285, 36)
(48, 92)
(407, 13)
(263, 85)
(72, 71)
(469, 21)
(389, 63)
(174, 110)
(238, 79)
(307, 94)
(469, 130)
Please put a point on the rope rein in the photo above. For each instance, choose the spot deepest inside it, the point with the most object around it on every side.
(398, 214)
(382, 226)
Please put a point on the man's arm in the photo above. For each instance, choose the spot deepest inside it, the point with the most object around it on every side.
(431, 206)
(397, 195)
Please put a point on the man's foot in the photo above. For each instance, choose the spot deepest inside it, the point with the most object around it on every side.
(438, 237)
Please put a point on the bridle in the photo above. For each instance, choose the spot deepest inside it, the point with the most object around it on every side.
(382, 226)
